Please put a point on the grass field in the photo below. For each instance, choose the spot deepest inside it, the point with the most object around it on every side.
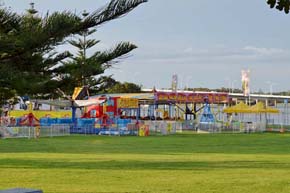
(218, 163)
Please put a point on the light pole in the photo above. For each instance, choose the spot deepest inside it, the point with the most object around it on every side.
(188, 79)
(228, 81)
(271, 86)
(181, 82)
(233, 85)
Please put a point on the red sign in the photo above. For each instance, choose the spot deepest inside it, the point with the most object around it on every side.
(192, 97)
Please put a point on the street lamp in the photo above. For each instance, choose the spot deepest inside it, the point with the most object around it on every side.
(228, 81)
(232, 84)
(271, 86)
(188, 79)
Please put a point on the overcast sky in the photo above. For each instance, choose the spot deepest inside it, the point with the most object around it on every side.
(207, 43)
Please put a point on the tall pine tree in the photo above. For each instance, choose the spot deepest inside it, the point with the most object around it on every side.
(28, 43)
(82, 69)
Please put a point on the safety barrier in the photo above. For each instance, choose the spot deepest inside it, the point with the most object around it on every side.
(97, 127)
(55, 130)
(35, 132)
(130, 127)
(164, 127)
(234, 127)
(171, 127)
(17, 132)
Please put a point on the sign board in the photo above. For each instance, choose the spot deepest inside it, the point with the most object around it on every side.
(124, 103)
(193, 97)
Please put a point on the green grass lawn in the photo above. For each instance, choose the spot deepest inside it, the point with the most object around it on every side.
(217, 163)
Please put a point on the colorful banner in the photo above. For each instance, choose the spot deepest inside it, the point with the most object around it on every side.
(246, 82)
(127, 103)
(192, 97)
(41, 114)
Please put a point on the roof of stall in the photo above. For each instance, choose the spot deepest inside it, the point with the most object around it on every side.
(257, 108)
(261, 108)
(168, 97)
(239, 108)
(140, 96)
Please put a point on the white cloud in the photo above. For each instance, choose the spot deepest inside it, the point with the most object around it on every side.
(220, 54)
(265, 51)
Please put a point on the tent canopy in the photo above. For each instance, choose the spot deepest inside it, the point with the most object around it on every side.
(261, 108)
(257, 108)
(239, 108)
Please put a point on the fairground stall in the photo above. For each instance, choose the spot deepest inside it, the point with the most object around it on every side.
(164, 112)
(159, 112)
(33, 123)
(111, 117)
(184, 110)
(246, 118)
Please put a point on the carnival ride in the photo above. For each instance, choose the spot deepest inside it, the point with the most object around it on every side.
(119, 114)
(63, 116)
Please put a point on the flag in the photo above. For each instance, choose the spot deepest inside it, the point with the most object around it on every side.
(246, 82)
(80, 93)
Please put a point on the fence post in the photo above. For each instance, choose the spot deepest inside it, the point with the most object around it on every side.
(28, 132)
